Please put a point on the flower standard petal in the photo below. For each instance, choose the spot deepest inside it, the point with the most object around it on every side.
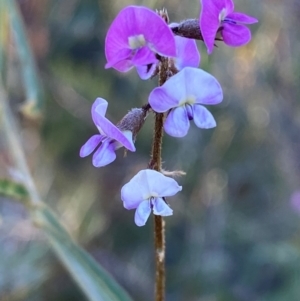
(90, 145)
(177, 122)
(200, 85)
(161, 100)
(241, 18)
(203, 118)
(235, 34)
(158, 184)
(142, 213)
(187, 53)
(135, 191)
(105, 154)
(161, 208)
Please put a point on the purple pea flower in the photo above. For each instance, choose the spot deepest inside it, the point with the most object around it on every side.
(187, 55)
(136, 34)
(110, 138)
(183, 95)
(219, 15)
(146, 192)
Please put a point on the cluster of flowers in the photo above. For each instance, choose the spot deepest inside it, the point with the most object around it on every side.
(139, 38)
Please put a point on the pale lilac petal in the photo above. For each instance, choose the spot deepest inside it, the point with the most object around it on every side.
(105, 154)
(99, 106)
(144, 56)
(135, 191)
(160, 98)
(145, 184)
(235, 34)
(241, 18)
(177, 122)
(145, 72)
(187, 53)
(203, 118)
(90, 145)
(209, 21)
(161, 208)
(142, 213)
(110, 130)
(196, 83)
(158, 184)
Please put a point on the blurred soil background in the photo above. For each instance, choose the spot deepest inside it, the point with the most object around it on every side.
(235, 232)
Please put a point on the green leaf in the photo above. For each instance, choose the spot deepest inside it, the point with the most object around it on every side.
(14, 190)
(33, 104)
(97, 284)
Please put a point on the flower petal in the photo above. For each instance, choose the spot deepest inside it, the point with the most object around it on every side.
(143, 56)
(110, 130)
(177, 122)
(135, 191)
(195, 83)
(161, 208)
(121, 61)
(160, 98)
(145, 184)
(241, 18)
(229, 6)
(142, 213)
(203, 118)
(187, 53)
(134, 21)
(209, 21)
(105, 154)
(235, 35)
(90, 145)
(145, 72)
(99, 105)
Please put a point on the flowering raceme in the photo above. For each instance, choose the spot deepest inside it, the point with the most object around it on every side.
(183, 94)
(145, 192)
(219, 15)
(135, 36)
(111, 138)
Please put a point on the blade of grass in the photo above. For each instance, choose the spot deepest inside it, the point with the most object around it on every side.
(95, 282)
(34, 102)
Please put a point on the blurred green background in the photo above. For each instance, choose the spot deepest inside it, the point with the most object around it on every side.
(234, 234)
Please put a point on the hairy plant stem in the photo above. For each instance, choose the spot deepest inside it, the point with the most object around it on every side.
(159, 224)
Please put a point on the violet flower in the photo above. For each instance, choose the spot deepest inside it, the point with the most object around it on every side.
(109, 140)
(183, 95)
(146, 192)
(187, 55)
(135, 36)
(219, 15)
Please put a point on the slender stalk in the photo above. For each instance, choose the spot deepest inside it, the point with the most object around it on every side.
(159, 224)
